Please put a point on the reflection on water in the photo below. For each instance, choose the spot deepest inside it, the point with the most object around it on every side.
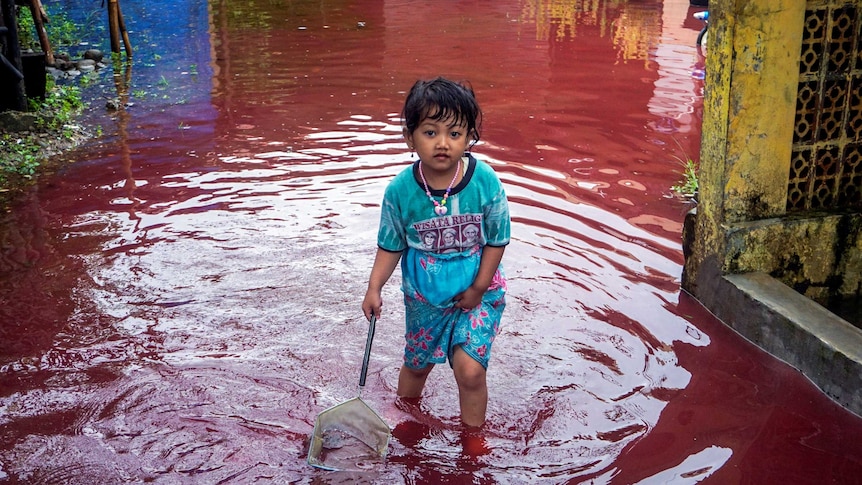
(182, 303)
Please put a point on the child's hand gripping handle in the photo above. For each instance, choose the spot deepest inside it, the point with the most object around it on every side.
(367, 356)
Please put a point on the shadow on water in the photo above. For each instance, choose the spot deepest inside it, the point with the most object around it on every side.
(180, 304)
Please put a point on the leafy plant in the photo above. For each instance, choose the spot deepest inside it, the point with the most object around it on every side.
(88, 79)
(62, 31)
(61, 105)
(688, 185)
(20, 157)
(26, 29)
(21, 154)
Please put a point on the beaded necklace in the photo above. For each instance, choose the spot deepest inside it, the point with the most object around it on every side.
(440, 207)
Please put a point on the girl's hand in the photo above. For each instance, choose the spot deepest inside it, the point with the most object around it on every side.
(372, 303)
(472, 296)
(469, 298)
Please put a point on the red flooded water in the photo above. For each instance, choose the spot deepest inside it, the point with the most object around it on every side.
(180, 304)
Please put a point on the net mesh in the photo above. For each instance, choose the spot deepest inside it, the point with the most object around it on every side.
(348, 436)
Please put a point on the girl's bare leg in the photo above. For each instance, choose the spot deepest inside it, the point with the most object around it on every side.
(472, 388)
(412, 381)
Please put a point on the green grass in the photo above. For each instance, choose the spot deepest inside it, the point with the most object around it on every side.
(61, 31)
(687, 186)
(19, 157)
(21, 154)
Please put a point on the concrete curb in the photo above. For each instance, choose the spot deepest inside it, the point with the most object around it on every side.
(824, 347)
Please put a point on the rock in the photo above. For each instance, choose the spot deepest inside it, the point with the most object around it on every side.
(94, 54)
(63, 64)
(18, 121)
(86, 65)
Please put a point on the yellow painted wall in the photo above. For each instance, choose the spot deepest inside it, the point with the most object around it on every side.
(741, 223)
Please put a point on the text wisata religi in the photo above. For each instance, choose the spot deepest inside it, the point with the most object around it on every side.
(447, 221)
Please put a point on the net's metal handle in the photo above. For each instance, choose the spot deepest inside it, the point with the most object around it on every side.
(367, 356)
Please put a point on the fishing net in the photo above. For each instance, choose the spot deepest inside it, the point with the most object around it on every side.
(348, 436)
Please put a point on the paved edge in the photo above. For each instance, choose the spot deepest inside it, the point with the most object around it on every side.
(824, 347)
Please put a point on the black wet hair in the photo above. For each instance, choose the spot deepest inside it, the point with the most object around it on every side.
(442, 99)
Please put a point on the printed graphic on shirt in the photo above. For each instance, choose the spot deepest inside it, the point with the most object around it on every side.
(450, 234)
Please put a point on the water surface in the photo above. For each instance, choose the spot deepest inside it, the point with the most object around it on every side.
(180, 303)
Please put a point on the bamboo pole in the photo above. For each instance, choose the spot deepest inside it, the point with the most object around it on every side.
(122, 24)
(39, 20)
(114, 25)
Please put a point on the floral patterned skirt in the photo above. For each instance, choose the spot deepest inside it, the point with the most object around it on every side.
(433, 332)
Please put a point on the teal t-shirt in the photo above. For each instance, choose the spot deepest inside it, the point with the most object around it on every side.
(442, 253)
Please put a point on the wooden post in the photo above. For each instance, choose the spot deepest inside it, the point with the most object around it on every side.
(114, 25)
(123, 31)
(39, 19)
(18, 100)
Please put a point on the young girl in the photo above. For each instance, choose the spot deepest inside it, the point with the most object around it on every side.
(453, 298)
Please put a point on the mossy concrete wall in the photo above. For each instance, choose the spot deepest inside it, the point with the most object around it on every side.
(820, 256)
(748, 126)
(744, 251)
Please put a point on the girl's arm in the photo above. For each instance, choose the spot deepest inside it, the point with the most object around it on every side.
(472, 296)
(384, 264)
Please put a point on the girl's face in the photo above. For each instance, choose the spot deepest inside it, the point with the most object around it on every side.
(439, 143)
